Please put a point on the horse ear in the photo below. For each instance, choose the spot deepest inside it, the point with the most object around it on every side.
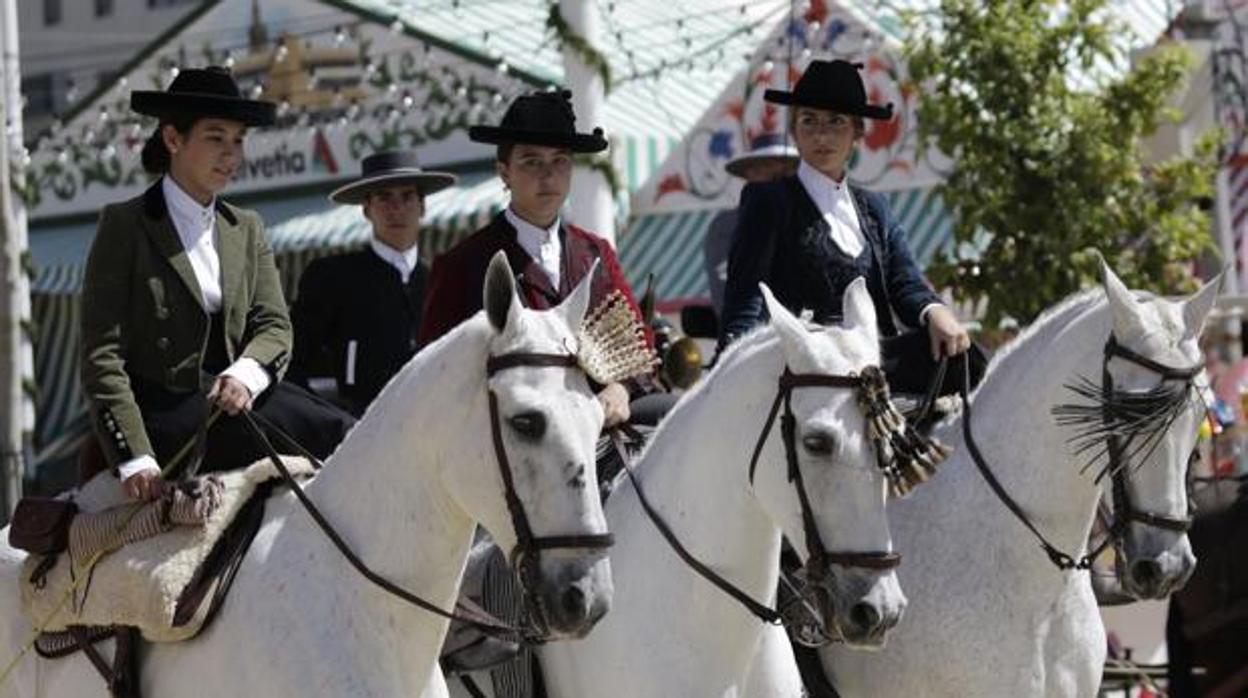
(1122, 303)
(1196, 308)
(574, 307)
(499, 295)
(789, 327)
(859, 309)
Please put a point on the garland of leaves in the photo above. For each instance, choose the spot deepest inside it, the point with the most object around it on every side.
(591, 56)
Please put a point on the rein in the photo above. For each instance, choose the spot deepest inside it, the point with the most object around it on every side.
(1125, 512)
(528, 546)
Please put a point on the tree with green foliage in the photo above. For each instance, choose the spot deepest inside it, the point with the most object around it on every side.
(1046, 141)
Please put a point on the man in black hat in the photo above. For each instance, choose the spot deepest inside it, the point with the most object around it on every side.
(536, 143)
(356, 315)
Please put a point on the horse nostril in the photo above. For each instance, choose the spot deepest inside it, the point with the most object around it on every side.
(574, 602)
(864, 616)
(1146, 572)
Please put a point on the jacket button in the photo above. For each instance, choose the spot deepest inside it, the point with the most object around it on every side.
(162, 313)
(162, 344)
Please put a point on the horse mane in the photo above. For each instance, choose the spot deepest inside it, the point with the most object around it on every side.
(470, 338)
(1050, 321)
(736, 353)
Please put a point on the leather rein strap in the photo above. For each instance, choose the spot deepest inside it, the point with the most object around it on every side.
(468, 613)
(1127, 513)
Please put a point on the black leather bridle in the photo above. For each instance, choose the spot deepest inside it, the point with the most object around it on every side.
(819, 556)
(528, 546)
(1124, 511)
(526, 555)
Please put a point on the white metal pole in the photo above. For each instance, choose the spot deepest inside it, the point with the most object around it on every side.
(591, 206)
(16, 358)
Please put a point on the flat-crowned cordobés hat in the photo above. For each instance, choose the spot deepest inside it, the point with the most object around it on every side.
(389, 169)
(834, 85)
(765, 146)
(541, 118)
(209, 92)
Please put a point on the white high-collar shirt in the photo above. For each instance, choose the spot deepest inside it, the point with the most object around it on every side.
(405, 262)
(196, 226)
(542, 244)
(834, 201)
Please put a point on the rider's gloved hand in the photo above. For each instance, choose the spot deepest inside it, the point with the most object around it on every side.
(948, 336)
(230, 395)
(144, 485)
(614, 400)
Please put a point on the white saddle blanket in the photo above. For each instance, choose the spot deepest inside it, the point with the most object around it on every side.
(139, 584)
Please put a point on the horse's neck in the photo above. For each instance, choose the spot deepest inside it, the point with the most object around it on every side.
(382, 492)
(1013, 425)
(696, 474)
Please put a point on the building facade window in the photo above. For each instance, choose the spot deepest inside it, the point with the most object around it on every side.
(51, 12)
(39, 93)
(103, 8)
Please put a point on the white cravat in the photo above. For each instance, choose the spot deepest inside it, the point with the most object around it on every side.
(542, 244)
(405, 262)
(834, 201)
(197, 228)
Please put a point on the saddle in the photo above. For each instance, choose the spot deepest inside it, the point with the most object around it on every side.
(165, 588)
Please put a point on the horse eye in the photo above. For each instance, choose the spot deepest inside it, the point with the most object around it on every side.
(531, 425)
(820, 444)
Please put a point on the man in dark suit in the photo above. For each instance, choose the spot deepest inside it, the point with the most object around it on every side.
(356, 316)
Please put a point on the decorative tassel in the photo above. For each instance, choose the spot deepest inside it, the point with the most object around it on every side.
(611, 343)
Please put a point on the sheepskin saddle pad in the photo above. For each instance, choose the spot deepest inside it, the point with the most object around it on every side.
(145, 583)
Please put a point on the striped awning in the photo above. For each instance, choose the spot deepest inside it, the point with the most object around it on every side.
(669, 245)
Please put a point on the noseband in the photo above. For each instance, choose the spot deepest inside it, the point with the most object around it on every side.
(526, 556)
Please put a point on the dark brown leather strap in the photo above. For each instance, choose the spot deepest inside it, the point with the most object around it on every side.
(489, 625)
(503, 362)
(88, 648)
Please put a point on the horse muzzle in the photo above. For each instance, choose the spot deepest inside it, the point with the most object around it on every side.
(863, 605)
(1158, 575)
(572, 594)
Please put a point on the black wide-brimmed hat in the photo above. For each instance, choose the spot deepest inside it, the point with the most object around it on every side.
(208, 92)
(541, 118)
(834, 85)
(389, 169)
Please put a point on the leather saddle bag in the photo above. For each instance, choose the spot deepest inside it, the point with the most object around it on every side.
(41, 525)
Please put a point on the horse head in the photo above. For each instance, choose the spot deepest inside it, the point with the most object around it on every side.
(841, 528)
(535, 485)
(1152, 407)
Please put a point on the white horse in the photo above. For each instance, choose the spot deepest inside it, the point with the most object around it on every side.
(674, 634)
(996, 617)
(406, 490)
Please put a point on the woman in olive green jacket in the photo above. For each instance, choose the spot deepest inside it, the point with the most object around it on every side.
(182, 306)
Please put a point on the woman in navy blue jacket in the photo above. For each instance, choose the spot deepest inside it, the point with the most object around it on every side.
(809, 235)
